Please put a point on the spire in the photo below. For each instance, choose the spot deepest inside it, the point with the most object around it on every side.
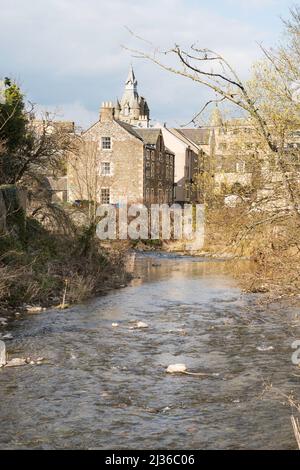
(131, 77)
(133, 108)
(131, 82)
(130, 93)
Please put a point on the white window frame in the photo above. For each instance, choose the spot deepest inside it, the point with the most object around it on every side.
(109, 195)
(102, 143)
(102, 166)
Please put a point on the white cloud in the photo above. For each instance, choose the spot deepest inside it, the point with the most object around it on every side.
(68, 112)
(68, 52)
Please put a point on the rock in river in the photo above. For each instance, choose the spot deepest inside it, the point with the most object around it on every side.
(2, 354)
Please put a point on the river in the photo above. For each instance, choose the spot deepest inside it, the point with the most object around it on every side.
(105, 387)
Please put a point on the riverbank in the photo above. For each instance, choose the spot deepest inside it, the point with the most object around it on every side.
(269, 241)
(48, 269)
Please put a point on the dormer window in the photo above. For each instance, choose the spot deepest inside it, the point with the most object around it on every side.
(106, 143)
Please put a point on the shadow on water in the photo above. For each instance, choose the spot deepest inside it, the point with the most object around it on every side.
(106, 387)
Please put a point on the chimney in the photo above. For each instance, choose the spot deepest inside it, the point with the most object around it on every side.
(107, 112)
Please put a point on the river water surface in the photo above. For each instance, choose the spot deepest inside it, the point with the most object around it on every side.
(105, 387)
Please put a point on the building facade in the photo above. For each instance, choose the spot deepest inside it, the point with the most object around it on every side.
(186, 144)
(116, 161)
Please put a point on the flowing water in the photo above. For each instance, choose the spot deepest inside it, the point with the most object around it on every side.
(105, 387)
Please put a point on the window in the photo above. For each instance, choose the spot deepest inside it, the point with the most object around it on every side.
(105, 168)
(152, 195)
(160, 200)
(105, 195)
(147, 195)
(106, 143)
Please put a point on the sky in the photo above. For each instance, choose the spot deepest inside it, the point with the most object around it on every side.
(67, 55)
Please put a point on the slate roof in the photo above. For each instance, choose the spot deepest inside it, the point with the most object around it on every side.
(130, 129)
(149, 136)
(198, 136)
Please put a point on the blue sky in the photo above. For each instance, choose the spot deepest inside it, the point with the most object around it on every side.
(67, 54)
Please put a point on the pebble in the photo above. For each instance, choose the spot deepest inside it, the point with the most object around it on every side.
(174, 368)
(167, 408)
(34, 310)
(8, 336)
(17, 361)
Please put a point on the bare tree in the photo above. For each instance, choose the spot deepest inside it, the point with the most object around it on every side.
(210, 69)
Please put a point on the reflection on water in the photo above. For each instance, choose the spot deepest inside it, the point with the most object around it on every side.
(106, 387)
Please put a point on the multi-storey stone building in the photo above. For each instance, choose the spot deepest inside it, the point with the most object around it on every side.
(121, 157)
(117, 161)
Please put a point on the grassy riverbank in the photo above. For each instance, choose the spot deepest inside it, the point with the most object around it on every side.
(46, 268)
(271, 243)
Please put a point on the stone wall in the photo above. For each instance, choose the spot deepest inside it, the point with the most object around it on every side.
(126, 158)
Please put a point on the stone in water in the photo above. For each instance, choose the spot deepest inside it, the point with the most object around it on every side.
(18, 361)
(34, 310)
(175, 368)
(2, 354)
(141, 324)
(8, 336)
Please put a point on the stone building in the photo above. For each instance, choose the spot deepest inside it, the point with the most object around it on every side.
(222, 150)
(229, 149)
(237, 163)
(117, 161)
(187, 147)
